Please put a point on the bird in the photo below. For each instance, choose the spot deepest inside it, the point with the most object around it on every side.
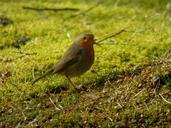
(76, 60)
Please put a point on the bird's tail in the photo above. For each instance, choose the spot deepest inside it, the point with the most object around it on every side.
(42, 76)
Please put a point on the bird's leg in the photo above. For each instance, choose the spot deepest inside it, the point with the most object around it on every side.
(73, 85)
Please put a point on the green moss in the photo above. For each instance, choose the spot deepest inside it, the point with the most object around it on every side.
(49, 34)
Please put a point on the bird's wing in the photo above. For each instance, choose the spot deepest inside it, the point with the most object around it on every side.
(62, 65)
(67, 61)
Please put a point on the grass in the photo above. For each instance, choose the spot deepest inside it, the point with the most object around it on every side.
(124, 87)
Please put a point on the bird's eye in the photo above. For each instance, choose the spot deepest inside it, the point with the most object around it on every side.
(84, 38)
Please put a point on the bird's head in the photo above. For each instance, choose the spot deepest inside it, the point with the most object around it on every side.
(86, 42)
(86, 39)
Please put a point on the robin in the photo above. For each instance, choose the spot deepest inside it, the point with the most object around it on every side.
(76, 60)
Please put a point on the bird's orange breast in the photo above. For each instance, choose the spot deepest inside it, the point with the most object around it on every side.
(88, 48)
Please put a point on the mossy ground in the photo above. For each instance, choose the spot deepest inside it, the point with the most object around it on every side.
(124, 87)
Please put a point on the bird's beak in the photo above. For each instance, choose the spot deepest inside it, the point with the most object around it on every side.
(95, 42)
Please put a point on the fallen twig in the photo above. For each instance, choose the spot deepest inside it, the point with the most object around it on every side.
(25, 53)
(111, 35)
(56, 108)
(164, 99)
(84, 12)
(50, 9)
(139, 92)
